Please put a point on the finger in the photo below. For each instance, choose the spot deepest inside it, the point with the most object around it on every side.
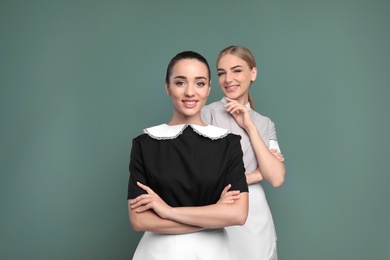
(238, 109)
(230, 195)
(280, 157)
(144, 201)
(232, 192)
(229, 106)
(276, 152)
(145, 188)
(133, 201)
(225, 190)
(232, 104)
(235, 111)
(232, 110)
(230, 99)
(135, 206)
(230, 199)
(235, 197)
(140, 197)
(142, 209)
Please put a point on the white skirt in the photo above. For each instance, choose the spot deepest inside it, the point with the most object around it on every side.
(256, 239)
(202, 245)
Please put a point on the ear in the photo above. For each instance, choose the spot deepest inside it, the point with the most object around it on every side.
(167, 89)
(253, 74)
(209, 88)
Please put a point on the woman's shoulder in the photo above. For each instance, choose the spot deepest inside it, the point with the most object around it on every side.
(148, 132)
(259, 118)
(234, 137)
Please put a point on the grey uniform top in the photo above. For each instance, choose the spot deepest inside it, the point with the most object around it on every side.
(257, 238)
(215, 114)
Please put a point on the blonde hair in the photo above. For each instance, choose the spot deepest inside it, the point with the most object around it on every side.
(244, 54)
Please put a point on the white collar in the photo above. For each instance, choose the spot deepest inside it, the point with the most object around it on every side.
(224, 101)
(164, 131)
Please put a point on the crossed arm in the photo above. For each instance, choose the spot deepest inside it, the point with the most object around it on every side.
(148, 212)
(271, 166)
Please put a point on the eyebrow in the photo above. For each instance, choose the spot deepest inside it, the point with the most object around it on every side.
(183, 77)
(201, 77)
(180, 77)
(232, 68)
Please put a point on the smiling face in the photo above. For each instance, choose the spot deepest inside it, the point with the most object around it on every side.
(189, 87)
(235, 77)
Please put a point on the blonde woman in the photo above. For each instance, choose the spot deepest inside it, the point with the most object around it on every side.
(237, 71)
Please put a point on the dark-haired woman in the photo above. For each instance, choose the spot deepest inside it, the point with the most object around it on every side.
(187, 179)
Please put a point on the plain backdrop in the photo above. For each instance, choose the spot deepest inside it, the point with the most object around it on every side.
(80, 79)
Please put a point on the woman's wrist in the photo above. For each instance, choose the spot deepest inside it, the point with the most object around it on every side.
(254, 177)
(251, 128)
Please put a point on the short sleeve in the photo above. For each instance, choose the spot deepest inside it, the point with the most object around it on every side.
(137, 171)
(235, 169)
(273, 140)
(271, 130)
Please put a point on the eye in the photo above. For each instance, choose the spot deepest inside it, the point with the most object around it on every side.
(220, 73)
(179, 83)
(237, 70)
(200, 84)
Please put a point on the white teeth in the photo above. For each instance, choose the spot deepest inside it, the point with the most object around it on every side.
(190, 102)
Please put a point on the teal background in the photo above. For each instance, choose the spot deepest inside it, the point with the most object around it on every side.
(80, 79)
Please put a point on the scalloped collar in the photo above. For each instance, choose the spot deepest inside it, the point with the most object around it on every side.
(164, 131)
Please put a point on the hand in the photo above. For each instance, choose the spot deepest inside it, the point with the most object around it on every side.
(239, 112)
(228, 196)
(254, 177)
(152, 201)
(278, 155)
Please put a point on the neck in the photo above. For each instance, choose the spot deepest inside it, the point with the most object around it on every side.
(178, 120)
(243, 100)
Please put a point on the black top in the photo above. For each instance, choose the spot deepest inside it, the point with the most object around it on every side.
(189, 170)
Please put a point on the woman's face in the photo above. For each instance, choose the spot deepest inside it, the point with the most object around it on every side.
(235, 77)
(189, 88)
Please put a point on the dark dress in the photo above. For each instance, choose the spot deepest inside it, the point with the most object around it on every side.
(186, 165)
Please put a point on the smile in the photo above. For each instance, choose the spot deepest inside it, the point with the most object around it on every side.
(189, 103)
(231, 88)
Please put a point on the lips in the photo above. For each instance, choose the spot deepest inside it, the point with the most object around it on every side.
(231, 88)
(190, 103)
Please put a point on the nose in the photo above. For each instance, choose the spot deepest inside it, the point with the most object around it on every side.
(189, 92)
(228, 77)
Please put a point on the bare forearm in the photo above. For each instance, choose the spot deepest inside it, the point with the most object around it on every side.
(271, 169)
(150, 221)
(213, 216)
